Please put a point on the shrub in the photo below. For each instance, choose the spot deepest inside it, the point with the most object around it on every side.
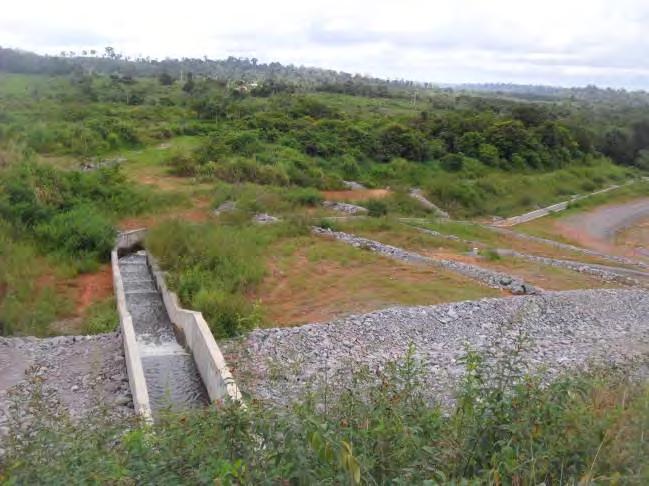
(79, 233)
(514, 429)
(212, 267)
(304, 197)
(376, 208)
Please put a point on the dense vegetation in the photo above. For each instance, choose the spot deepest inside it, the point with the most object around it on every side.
(269, 137)
(55, 222)
(512, 430)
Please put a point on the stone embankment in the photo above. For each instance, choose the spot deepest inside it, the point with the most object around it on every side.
(419, 196)
(557, 332)
(624, 276)
(564, 246)
(76, 375)
(345, 208)
(489, 277)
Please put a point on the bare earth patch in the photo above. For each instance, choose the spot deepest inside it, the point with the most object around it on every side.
(356, 194)
(323, 280)
(198, 213)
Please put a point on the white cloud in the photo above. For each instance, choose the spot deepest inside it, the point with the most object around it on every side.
(563, 42)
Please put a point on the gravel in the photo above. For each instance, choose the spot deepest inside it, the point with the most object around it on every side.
(561, 331)
(489, 277)
(76, 376)
(624, 276)
(565, 246)
(345, 208)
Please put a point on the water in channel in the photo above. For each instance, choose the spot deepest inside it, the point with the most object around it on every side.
(171, 376)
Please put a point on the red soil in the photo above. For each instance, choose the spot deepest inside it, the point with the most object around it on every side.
(356, 194)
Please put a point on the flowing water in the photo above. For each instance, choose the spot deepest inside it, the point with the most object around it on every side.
(171, 376)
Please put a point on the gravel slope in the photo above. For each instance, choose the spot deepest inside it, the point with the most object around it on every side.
(562, 330)
(76, 374)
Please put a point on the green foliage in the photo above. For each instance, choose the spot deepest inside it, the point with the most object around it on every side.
(376, 207)
(101, 317)
(69, 213)
(81, 233)
(27, 303)
(212, 267)
(380, 430)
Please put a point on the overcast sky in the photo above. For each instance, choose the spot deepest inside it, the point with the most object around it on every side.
(557, 42)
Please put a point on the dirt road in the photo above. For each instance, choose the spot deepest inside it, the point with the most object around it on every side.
(598, 228)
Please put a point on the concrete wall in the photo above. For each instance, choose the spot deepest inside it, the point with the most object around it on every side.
(131, 353)
(555, 208)
(129, 239)
(208, 357)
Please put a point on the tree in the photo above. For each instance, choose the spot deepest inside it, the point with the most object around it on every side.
(189, 85)
(618, 146)
(165, 79)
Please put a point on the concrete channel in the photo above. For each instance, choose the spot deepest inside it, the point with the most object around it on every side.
(172, 359)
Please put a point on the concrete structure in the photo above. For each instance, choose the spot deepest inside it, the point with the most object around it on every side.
(554, 208)
(199, 339)
(418, 194)
(134, 369)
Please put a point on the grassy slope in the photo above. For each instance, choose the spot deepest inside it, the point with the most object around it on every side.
(313, 280)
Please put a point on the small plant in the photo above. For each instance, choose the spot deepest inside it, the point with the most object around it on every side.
(376, 208)
(491, 254)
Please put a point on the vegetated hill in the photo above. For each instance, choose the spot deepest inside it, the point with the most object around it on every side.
(313, 130)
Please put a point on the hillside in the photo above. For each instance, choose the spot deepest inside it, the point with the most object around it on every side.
(343, 238)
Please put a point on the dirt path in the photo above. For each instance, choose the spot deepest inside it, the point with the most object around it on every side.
(356, 194)
(598, 228)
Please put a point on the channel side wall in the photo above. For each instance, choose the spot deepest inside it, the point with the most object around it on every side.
(134, 368)
(208, 357)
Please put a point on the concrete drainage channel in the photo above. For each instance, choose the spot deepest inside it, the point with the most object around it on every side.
(172, 359)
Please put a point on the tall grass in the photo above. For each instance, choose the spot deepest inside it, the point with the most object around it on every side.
(28, 302)
(213, 267)
(585, 429)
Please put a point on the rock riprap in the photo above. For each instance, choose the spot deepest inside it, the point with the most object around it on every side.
(488, 277)
(560, 331)
(75, 375)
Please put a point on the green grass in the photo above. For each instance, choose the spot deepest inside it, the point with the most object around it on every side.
(583, 429)
(218, 265)
(28, 302)
(315, 279)
(101, 317)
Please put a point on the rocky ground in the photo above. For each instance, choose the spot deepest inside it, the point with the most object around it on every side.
(488, 277)
(557, 331)
(74, 376)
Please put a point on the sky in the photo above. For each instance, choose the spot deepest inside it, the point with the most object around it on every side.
(551, 42)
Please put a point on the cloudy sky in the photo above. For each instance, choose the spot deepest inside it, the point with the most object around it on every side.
(557, 42)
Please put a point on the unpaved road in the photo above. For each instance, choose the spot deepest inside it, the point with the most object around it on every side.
(598, 228)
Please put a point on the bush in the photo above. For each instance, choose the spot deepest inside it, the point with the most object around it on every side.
(81, 233)
(376, 207)
(219, 264)
(304, 197)
(379, 430)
